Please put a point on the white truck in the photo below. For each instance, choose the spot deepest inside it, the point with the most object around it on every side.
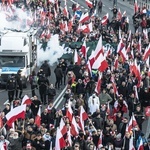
(16, 54)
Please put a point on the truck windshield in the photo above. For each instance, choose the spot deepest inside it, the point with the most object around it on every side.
(12, 61)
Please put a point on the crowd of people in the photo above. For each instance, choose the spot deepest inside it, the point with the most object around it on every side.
(109, 103)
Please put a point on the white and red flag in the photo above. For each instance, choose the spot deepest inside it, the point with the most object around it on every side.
(119, 14)
(131, 145)
(136, 7)
(38, 118)
(104, 20)
(123, 55)
(65, 10)
(59, 142)
(100, 63)
(77, 58)
(145, 34)
(89, 3)
(26, 100)
(146, 53)
(62, 127)
(74, 127)
(141, 146)
(84, 17)
(99, 144)
(98, 49)
(83, 49)
(15, 113)
(139, 45)
(83, 117)
(116, 63)
(69, 112)
(120, 46)
(98, 85)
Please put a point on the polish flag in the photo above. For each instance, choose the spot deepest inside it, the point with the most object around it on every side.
(65, 10)
(141, 146)
(83, 49)
(98, 85)
(26, 100)
(135, 69)
(99, 48)
(123, 55)
(139, 46)
(89, 3)
(116, 63)
(135, 6)
(69, 112)
(100, 63)
(74, 127)
(119, 15)
(147, 111)
(62, 127)
(132, 54)
(38, 118)
(129, 36)
(120, 46)
(83, 28)
(145, 34)
(84, 17)
(77, 7)
(132, 124)
(131, 145)
(4, 146)
(15, 113)
(128, 48)
(70, 23)
(136, 92)
(99, 144)
(105, 20)
(147, 63)
(146, 53)
(91, 58)
(77, 58)
(59, 142)
(83, 117)
(114, 86)
(66, 27)
(68, 138)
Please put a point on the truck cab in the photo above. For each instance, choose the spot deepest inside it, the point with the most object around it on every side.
(15, 54)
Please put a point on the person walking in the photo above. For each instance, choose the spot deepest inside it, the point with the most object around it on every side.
(19, 88)
(100, 5)
(46, 69)
(43, 83)
(58, 74)
(11, 87)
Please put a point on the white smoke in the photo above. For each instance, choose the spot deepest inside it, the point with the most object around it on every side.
(52, 53)
(14, 18)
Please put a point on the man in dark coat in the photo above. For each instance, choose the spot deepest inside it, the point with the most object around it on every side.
(46, 69)
(58, 74)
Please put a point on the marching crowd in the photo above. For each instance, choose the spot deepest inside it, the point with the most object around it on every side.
(103, 109)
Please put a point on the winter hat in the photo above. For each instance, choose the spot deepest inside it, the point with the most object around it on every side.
(118, 136)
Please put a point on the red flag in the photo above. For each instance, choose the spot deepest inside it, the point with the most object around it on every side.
(147, 111)
(100, 63)
(99, 145)
(135, 6)
(119, 15)
(105, 20)
(146, 53)
(141, 146)
(123, 55)
(62, 127)
(89, 3)
(116, 63)
(83, 117)
(98, 85)
(131, 145)
(139, 45)
(69, 112)
(77, 58)
(16, 113)
(74, 127)
(65, 10)
(59, 142)
(26, 100)
(83, 49)
(120, 46)
(38, 118)
(84, 17)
